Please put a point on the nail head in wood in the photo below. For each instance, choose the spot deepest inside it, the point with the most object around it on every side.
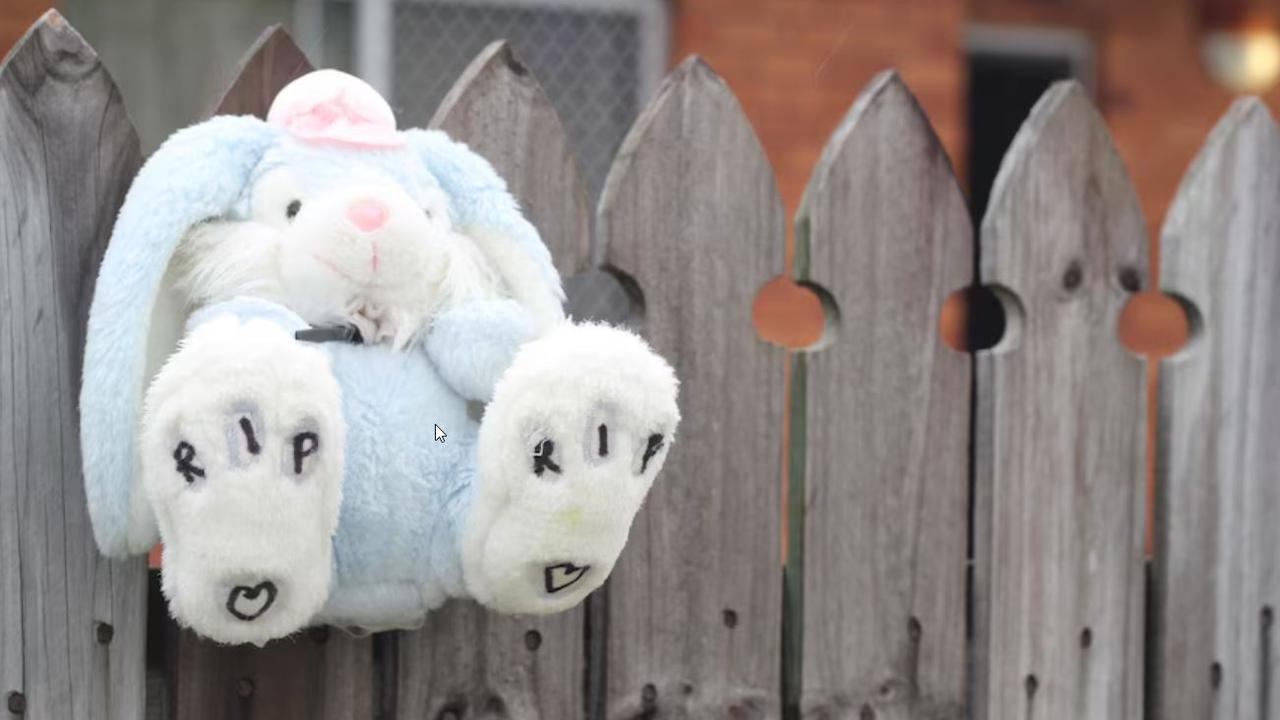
(1074, 275)
(244, 687)
(1130, 280)
(892, 689)
(17, 703)
(495, 707)
(104, 632)
(533, 640)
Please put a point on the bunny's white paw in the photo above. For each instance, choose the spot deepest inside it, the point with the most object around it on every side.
(578, 428)
(242, 460)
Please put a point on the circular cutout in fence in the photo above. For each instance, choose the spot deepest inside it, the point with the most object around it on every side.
(605, 295)
(972, 319)
(1156, 324)
(793, 315)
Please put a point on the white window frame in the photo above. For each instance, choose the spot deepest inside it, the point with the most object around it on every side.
(373, 48)
(1034, 41)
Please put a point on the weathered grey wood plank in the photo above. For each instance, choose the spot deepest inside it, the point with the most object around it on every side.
(465, 659)
(887, 426)
(691, 212)
(1060, 429)
(477, 664)
(321, 674)
(1217, 579)
(272, 62)
(72, 624)
(498, 108)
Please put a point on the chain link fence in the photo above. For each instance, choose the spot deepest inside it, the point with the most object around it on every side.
(588, 60)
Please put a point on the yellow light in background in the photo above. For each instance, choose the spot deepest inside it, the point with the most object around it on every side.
(1243, 61)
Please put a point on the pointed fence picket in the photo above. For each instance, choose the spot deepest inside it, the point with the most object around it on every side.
(72, 623)
(874, 621)
(272, 62)
(690, 213)
(1217, 578)
(498, 108)
(1059, 435)
(883, 228)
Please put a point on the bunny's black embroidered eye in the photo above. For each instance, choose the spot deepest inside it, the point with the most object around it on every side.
(292, 209)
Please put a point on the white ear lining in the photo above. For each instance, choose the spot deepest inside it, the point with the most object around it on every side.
(523, 277)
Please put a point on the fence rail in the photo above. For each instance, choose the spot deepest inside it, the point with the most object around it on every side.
(909, 463)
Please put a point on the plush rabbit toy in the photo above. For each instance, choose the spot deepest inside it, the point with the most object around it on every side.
(285, 314)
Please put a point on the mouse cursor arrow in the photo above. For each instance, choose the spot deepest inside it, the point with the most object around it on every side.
(440, 436)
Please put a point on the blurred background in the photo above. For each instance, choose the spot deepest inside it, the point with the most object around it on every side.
(1161, 71)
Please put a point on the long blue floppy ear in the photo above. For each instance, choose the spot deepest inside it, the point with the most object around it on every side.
(198, 174)
(486, 211)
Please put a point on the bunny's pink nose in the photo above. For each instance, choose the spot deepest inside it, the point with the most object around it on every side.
(367, 214)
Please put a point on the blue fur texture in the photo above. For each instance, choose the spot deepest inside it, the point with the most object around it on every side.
(403, 493)
(473, 344)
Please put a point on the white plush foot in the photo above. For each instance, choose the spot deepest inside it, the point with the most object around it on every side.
(241, 458)
(578, 428)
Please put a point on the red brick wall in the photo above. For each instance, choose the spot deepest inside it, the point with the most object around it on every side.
(15, 17)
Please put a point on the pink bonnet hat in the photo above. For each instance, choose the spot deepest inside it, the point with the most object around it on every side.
(332, 107)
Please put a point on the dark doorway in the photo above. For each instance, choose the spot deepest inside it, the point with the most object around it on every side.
(1003, 87)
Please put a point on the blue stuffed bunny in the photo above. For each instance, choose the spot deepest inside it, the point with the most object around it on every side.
(290, 323)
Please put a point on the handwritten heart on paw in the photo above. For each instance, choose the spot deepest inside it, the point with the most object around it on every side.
(560, 576)
(249, 603)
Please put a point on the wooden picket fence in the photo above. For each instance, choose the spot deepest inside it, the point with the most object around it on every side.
(964, 534)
